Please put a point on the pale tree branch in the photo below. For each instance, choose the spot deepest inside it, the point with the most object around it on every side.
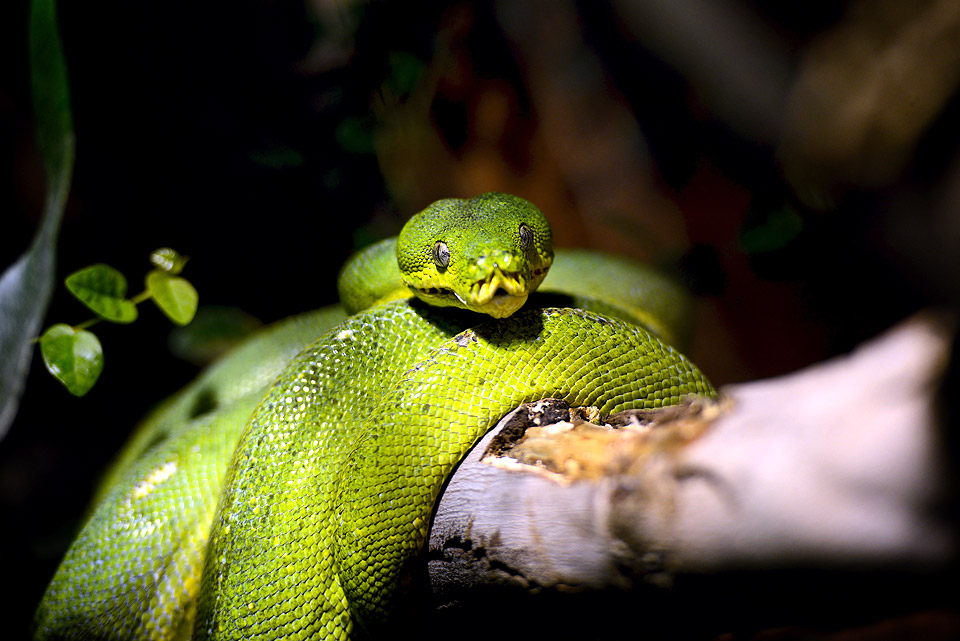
(805, 486)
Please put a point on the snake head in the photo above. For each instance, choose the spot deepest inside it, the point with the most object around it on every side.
(485, 254)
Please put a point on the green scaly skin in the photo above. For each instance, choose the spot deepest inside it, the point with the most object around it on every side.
(305, 517)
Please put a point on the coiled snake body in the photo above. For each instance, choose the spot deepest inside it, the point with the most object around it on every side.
(292, 514)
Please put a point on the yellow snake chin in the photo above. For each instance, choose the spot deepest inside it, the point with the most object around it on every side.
(501, 305)
(498, 295)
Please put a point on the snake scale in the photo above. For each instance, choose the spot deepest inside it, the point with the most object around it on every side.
(249, 509)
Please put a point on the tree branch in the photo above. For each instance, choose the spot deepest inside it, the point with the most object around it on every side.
(836, 470)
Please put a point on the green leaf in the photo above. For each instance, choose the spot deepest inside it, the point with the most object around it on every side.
(355, 135)
(168, 260)
(26, 286)
(103, 289)
(51, 96)
(277, 157)
(775, 230)
(175, 296)
(73, 356)
(405, 72)
(213, 332)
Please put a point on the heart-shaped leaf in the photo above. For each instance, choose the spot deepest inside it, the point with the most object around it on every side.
(73, 356)
(103, 289)
(175, 296)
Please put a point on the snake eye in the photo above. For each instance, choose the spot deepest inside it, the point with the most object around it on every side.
(441, 254)
(526, 235)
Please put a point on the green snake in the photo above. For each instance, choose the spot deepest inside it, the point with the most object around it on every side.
(293, 509)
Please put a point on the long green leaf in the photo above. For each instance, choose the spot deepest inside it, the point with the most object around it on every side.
(26, 286)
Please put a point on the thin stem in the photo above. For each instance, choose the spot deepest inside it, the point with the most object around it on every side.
(87, 323)
(136, 300)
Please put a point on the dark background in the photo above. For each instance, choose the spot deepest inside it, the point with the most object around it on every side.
(267, 140)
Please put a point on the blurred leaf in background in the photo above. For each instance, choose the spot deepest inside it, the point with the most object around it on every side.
(25, 287)
(214, 331)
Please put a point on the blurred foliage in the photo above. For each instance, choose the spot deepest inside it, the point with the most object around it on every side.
(25, 286)
(212, 332)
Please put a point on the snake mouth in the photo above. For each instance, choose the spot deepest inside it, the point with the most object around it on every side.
(502, 292)
(482, 298)
(499, 295)
(498, 283)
